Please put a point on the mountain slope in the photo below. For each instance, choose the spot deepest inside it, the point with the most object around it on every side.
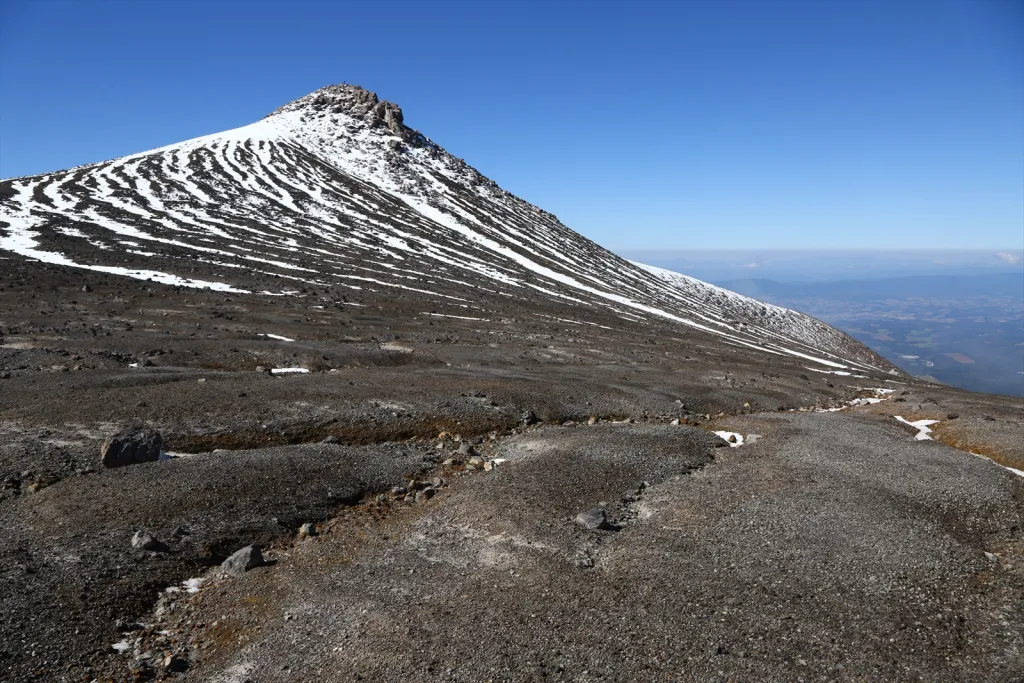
(334, 191)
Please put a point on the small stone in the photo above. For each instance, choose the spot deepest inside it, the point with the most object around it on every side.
(399, 491)
(437, 482)
(488, 466)
(86, 288)
(331, 439)
(952, 416)
(476, 461)
(201, 380)
(593, 519)
(307, 530)
(424, 495)
(143, 540)
(450, 461)
(242, 561)
(592, 420)
(529, 417)
(752, 438)
(675, 422)
(467, 449)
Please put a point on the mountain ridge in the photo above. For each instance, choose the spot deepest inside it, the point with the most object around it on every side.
(334, 190)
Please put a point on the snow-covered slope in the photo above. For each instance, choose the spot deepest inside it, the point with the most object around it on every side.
(334, 191)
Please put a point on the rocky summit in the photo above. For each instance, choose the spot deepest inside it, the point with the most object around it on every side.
(314, 400)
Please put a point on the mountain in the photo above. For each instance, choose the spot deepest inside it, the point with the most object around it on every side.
(313, 400)
(333, 191)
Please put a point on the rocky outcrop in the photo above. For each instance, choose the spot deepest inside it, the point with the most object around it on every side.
(131, 446)
(358, 103)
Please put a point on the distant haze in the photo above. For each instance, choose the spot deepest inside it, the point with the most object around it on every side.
(955, 317)
(787, 265)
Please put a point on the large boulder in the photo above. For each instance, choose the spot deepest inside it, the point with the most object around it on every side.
(132, 446)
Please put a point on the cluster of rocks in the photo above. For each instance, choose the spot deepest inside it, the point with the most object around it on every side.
(25, 482)
(418, 491)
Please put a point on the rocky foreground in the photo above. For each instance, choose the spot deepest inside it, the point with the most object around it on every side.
(473, 501)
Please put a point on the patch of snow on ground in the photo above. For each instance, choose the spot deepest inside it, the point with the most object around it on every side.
(288, 371)
(276, 336)
(188, 586)
(921, 425)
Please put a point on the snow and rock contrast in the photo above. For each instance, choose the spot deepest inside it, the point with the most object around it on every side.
(333, 191)
(312, 400)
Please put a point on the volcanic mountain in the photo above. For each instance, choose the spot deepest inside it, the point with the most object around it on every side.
(313, 400)
(334, 192)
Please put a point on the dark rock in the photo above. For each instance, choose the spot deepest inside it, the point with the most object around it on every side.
(131, 446)
(176, 663)
(331, 439)
(242, 561)
(593, 519)
(529, 417)
(952, 416)
(424, 495)
(125, 625)
(467, 449)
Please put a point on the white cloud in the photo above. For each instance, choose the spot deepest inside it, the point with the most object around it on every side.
(1007, 257)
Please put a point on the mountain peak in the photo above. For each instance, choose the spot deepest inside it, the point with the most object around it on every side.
(355, 102)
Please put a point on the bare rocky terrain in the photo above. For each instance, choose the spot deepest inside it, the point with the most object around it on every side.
(543, 468)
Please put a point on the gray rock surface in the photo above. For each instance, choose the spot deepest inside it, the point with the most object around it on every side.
(241, 561)
(595, 518)
(143, 540)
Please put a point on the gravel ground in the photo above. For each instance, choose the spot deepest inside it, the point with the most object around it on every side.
(836, 547)
(716, 562)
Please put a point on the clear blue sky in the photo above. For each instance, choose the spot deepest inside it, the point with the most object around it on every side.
(642, 125)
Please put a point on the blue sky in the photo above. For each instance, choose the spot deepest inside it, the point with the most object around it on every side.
(661, 125)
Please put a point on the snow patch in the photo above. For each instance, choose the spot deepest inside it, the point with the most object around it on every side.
(923, 427)
(288, 371)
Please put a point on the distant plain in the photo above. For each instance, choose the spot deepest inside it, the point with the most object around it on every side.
(953, 317)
